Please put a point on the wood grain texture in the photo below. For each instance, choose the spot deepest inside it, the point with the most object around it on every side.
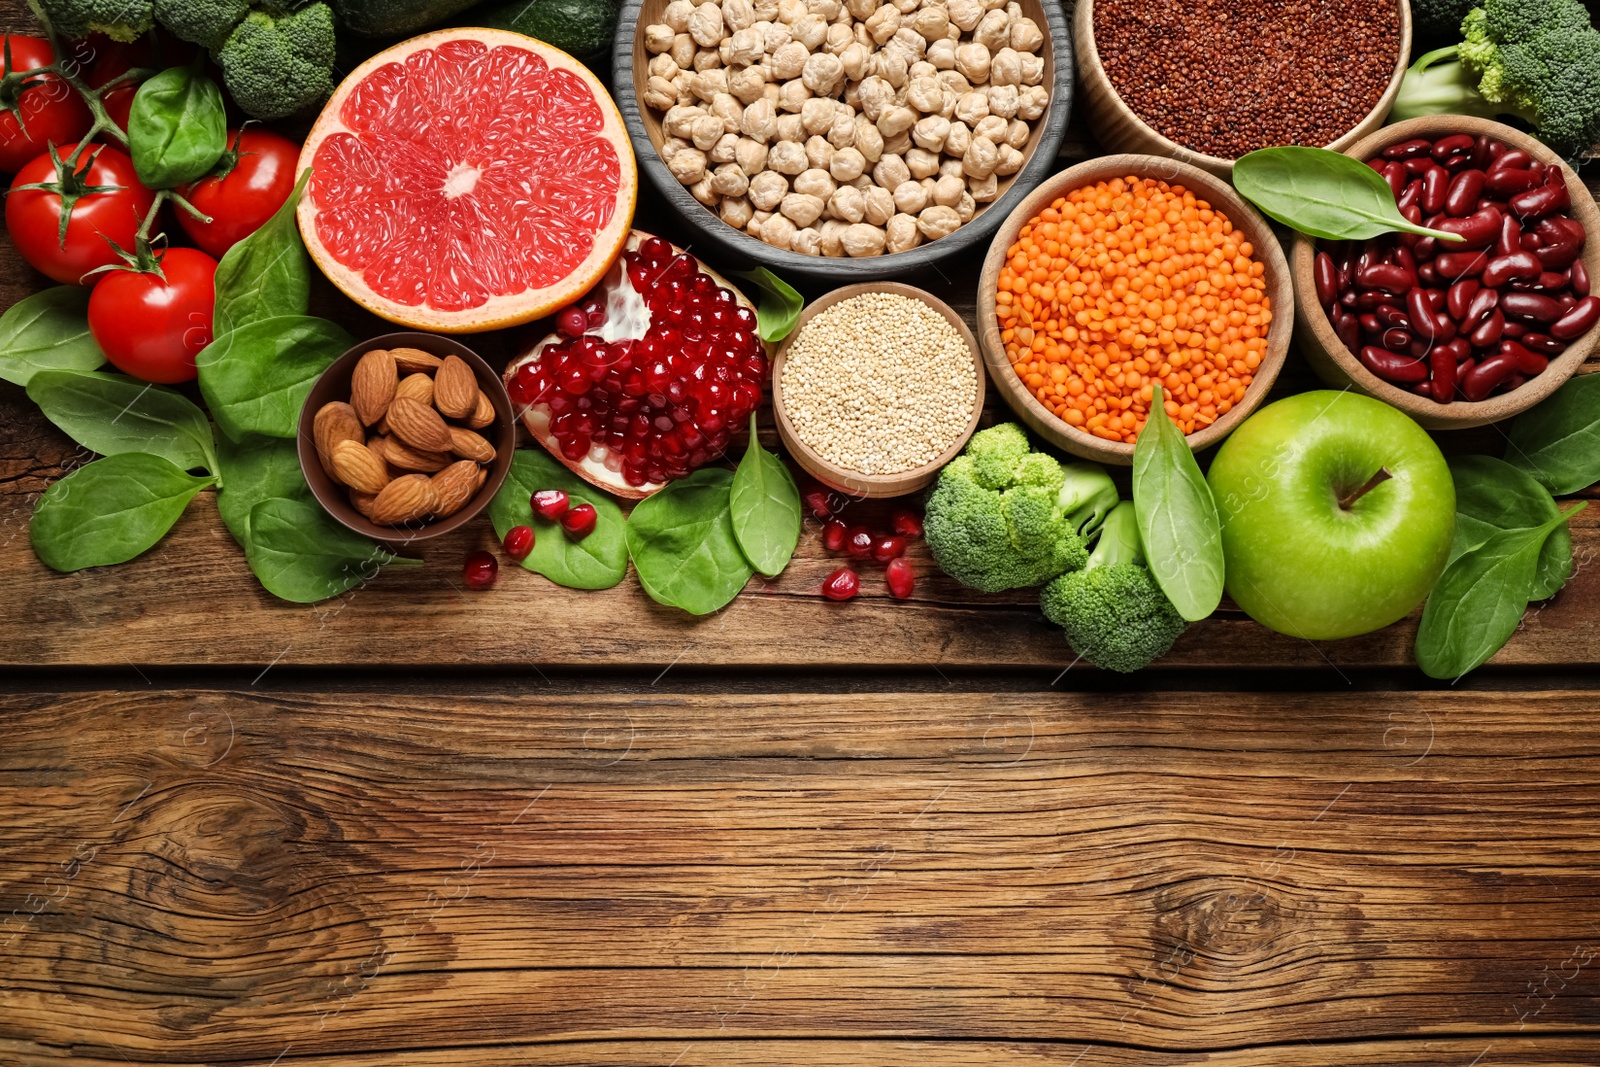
(227, 877)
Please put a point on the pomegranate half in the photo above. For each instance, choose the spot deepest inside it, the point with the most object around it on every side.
(648, 377)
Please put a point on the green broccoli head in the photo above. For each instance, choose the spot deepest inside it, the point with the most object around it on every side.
(204, 22)
(1541, 61)
(120, 20)
(1115, 615)
(275, 67)
(1003, 516)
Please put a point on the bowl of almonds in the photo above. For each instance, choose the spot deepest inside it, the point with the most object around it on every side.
(406, 436)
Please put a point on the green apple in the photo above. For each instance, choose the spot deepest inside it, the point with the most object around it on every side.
(1337, 512)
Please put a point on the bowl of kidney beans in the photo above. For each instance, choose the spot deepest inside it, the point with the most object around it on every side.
(1458, 333)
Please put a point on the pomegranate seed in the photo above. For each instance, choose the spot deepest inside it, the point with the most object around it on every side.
(572, 322)
(480, 571)
(842, 584)
(858, 543)
(819, 501)
(907, 523)
(901, 580)
(885, 549)
(833, 535)
(551, 504)
(579, 521)
(519, 542)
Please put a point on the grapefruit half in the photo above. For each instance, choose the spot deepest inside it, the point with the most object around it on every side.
(467, 180)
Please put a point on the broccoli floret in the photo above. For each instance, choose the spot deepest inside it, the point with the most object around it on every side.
(1003, 516)
(1115, 615)
(120, 20)
(276, 67)
(204, 22)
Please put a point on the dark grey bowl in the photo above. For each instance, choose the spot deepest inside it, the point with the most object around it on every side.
(644, 127)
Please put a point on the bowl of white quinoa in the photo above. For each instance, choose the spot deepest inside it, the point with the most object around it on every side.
(877, 388)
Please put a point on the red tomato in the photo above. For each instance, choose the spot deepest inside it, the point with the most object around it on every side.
(33, 216)
(239, 203)
(52, 111)
(153, 328)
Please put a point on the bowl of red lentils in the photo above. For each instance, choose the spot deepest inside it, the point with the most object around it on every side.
(1207, 81)
(1124, 274)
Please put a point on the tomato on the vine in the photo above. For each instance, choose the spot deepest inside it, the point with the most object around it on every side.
(33, 216)
(238, 203)
(151, 326)
(52, 111)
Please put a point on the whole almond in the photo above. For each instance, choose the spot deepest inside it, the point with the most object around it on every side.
(469, 445)
(483, 475)
(334, 422)
(455, 484)
(406, 499)
(418, 387)
(402, 455)
(359, 467)
(483, 414)
(372, 385)
(418, 425)
(412, 360)
(362, 502)
(455, 389)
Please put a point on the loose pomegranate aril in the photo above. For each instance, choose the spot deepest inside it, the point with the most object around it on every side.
(858, 542)
(480, 571)
(579, 521)
(842, 584)
(519, 542)
(906, 523)
(551, 504)
(572, 321)
(900, 579)
(820, 502)
(889, 548)
(834, 533)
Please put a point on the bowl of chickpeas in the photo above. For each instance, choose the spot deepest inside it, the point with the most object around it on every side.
(1124, 275)
(846, 140)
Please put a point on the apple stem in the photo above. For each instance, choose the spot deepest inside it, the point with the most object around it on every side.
(1348, 501)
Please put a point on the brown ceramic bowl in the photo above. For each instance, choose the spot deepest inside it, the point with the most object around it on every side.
(335, 385)
(1338, 366)
(1220, 195)
(1116, 126)
(842, 478)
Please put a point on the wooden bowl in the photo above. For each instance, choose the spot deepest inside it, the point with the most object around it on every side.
(1220, 195)
(849, 481)
(335, 385)
(1116, 126)
(1338, 366)
(644, 127)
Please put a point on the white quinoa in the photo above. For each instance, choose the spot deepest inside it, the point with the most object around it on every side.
(879, 384)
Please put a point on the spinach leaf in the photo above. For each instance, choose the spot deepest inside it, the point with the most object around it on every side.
(1492, 495)
(300, 554)
(683, 546)
(1479, 600)
(599, 561)
(177, 128)
(1177, 516)
(253, 470)
(1323, 193)
(1558, 442)
(256, 379)
(112, 414)
(266, 274)
(780, 304)
(47, 331)
(766, 508)
(110, 510)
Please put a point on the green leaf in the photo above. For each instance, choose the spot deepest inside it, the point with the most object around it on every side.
(300, 554)
(1492, 495)
(766, 508)
(1177, 515)
(256, 379)
(780, 304)
(112, 414)
(110, 510)
(1558, 442)
(177, 128)
(253, 470)
(683, 546)
(47, 331)
(1474, 609)
(1323, 193)
(266, 274)
(598, 561)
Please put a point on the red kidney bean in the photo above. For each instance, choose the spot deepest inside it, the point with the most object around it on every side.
(1529, 242)
(1421, 314)
(1369, 323)
(1349, 331)
(1550, 197)
(1396, 340)
(1578, 277)
(1482, 302)
(1514, 330)
(1497, 149)
(1416, 168)
(1573, 228)
(1531, 307)
(1515, 382)
(1408, 149)
(1489, 331)
(1390, 315)
(1567, 302)
(1370, 299)
(1435, 188)
(1411, 196)
(1444, 328)
(1513, 159)
(1413, 215)
(1548, 281)
(1482, 151)
(1456, 163)
(1510, 239)
(1377, 163)
(1391, 366)
(1436, 300)
(1387, 276)
(1459, 349)
(1428, 274)
(1403, 258)
(1463, 193)
(1503, 269)
(1457, 265)
(1327, 278)
(1445, 147)
(1481, 380)
(1478, 230)
(1395, 175)
(1443, 366)
(1539, 168)
(1578, 321)
(1527, 362)
(1348, 298)
(1423, 248)
(1559, 255)
(1459, 298)
(1462, 368)
(1506, 182)
(1543, 343)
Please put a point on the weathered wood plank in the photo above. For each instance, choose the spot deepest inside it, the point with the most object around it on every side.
(220, 875)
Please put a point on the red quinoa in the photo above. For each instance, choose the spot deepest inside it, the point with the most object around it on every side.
(1225, 78)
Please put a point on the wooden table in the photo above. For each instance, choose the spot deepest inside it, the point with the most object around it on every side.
(421, 826)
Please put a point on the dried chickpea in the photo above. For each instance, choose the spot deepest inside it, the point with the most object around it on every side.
(705, 25)
(767, 190)
(736, 212)
(807, 241)
(802, 208)
(983, 190)
(703, 192)
(815, 182)
(688, 165)
(938, 221)
(659, 93)
(832, 237)
(922, 163)
(993, 30)
(880, 205)
(778, 231)
(847, 165)
(658, 38)
(910, 197)
(729, 180)
(751, 155)
(863, 240)
(791, 127)
(677, 15)
(725, 150)
(847, 204)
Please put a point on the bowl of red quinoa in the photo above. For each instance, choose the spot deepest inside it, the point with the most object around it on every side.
(1207, 81)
